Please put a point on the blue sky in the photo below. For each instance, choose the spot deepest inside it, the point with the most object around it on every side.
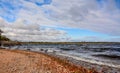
(61, 20)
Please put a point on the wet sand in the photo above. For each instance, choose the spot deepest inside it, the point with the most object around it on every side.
(16, 61)
(88, 65)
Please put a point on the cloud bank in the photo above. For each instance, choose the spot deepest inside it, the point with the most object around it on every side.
(23, 32)
(96, 15)
(28, 17)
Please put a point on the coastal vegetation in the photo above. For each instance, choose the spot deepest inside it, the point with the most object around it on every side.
(4, 38)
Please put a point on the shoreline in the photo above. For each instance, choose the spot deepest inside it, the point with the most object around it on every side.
(74, 62)
(87, 64)
(90, 61)
(16, 61)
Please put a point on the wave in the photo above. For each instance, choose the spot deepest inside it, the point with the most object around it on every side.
(90, 61)
(108, 56)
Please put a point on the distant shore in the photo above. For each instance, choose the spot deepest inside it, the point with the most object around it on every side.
(16, 61)
(63, 43)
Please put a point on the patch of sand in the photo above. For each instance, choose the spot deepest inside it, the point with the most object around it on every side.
(16, 61)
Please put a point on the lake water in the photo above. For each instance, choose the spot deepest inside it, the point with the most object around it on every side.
(99, 54)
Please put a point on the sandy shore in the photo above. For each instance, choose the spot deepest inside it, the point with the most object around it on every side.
(16, 61)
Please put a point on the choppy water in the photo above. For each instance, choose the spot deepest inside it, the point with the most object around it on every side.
(100, 54)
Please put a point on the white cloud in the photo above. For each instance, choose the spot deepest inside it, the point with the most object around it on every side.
(83, 14)
(73, 13)
(87, 15)
(30, 32)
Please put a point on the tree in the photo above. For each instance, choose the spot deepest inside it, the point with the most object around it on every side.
(3, 38)
(0, 36)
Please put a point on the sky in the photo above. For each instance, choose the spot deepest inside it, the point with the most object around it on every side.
(61, 20)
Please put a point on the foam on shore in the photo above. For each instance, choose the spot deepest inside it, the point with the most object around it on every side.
(90, 61)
